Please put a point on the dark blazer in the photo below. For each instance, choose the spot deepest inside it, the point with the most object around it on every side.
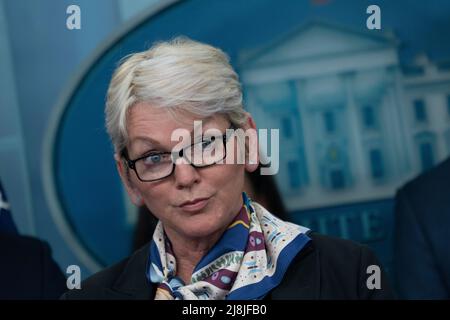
(422, 227)
(27, 270)
(327, 268)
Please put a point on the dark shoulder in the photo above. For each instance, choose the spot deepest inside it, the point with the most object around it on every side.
(346, 269)
(106, 277)
(36, 274)
(428, 182)
(345, 257)
(16, 243)
(24, 251)
(426, 197)
(95, 286)
(332, 268)
(335, 245)
(341, 252)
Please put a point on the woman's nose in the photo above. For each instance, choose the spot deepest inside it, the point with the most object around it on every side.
(185, 174)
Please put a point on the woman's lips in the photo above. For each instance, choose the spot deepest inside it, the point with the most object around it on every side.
(195, 205)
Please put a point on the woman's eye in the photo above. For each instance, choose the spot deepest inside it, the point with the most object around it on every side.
(152, 159)
(207, 142)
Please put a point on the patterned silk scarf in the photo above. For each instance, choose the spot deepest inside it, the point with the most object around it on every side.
(248, 261)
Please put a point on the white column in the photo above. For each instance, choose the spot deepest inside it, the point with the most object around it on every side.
(307, 123)
(357, 158)
(388, 132)
(403, 139)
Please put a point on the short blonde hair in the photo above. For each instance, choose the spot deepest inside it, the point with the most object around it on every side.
(181, 75)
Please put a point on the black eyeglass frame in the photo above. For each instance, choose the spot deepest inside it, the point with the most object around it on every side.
(132, 163)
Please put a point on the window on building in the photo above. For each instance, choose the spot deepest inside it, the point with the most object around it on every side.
(329, 122)
(286, 127)
(426, 155)
(368, 115)
(294, 174)
(420, 111)
(376, 164)
(337, 179)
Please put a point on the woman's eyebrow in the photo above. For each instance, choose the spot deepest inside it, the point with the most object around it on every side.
(154, 143)
(206, 125)
(148, 142)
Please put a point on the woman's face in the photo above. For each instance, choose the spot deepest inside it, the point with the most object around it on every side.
(220, 185)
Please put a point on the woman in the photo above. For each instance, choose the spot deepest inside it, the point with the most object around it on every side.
(211, 241)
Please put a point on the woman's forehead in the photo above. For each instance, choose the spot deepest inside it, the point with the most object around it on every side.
(146, 122)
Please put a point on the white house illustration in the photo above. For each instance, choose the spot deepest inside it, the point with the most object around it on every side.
(353, 124)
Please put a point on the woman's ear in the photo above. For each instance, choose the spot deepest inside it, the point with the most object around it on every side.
(124, 174)
(251, 145)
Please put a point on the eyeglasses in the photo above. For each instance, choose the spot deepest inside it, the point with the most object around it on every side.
(159, 165)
